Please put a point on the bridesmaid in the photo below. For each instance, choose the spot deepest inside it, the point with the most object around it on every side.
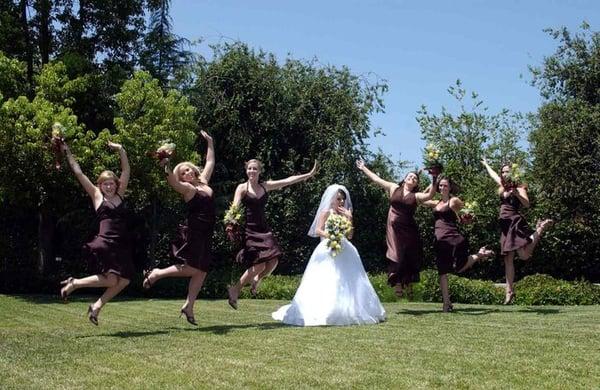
(516, 235)
(192, 247)
(451, 247)
(405, 248)
(260, 253)
(109, 254)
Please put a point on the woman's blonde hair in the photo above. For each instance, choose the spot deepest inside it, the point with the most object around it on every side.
(107, 175)
(254, 160)
(182, 165)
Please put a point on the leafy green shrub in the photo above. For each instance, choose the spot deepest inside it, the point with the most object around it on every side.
(462, 290)
(545, 290)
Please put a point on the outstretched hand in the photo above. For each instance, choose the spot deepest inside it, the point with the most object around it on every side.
(206, 136)
(114, 146)
(360, 164)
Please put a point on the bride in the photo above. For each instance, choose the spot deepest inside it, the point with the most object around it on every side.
(335, 289)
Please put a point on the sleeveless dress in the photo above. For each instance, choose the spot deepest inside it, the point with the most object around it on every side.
(333, 291)
(515, 232)
(259, 243)
(405, 248)
(193, 243)
(451, 248)
(110, 251)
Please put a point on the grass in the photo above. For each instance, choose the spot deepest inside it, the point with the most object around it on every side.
(142, 344)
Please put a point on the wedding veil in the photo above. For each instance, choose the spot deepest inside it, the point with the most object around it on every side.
(325, 204)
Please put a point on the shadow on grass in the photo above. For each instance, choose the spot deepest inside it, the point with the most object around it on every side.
(225, 329)
(214, 329)
(49, 299)
(476, 311)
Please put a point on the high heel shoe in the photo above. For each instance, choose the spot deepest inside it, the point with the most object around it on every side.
(254, 288)
(64, 293)
(188, 317)
(146, 283)
(92, 315)
(485, 253)
(232, 302)
(509, 299)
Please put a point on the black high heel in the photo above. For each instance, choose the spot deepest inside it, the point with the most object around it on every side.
(63, 291)
(92, 315)
(146, 283)
(188, 317)
(232, 302)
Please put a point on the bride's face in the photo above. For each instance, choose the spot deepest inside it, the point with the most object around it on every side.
(338, 201)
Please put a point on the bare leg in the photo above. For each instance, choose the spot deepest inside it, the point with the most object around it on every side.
(174, 271)
(483, 253)
(445, 293)
(109, 294)
(509, 269)
(526, 252)
(196, 282)
(399, 289)
(247, 277)
(100, 280)
(269, 267)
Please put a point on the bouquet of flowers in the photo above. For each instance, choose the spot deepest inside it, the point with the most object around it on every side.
(56, 141)
(336, 227)
(431, 159)
(513, 178)
(467, 213)
(165, 150)
(233, 219)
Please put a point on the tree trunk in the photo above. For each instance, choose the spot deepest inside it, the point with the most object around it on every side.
(43, 8)
(45, 240)
(27, 38)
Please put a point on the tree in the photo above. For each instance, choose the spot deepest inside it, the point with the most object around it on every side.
(463, 140)
(566, 149)
(165, 54)
(289, 115)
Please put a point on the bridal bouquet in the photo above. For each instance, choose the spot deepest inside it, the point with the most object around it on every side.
(336, 227)
(56, 142)
(431, 159)
(467, 213)
(514, 177)
(165, 150)
(234, 218)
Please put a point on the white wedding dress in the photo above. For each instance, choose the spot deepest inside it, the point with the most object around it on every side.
(333, 291)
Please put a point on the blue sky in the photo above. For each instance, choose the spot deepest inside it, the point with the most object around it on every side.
(419, 47)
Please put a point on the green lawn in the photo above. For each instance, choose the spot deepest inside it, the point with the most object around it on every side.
(142, 344)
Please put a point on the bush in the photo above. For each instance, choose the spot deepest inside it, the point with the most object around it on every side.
(545, 290)
(462, 290)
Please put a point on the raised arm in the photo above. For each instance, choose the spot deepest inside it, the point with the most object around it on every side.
(125, 168)
(278, 184)
(209, 166)
(88, 186)
(429, 193)
(387, 185)
(491, 172)
(186, 189)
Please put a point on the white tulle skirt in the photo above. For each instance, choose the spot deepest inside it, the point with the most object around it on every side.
(333, 291)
